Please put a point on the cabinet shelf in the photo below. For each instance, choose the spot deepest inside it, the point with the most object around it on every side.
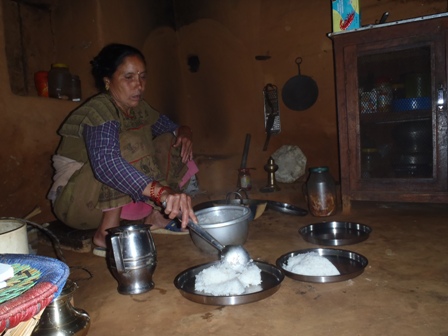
(395, 117)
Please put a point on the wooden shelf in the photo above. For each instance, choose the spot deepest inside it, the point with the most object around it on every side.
(394, 117)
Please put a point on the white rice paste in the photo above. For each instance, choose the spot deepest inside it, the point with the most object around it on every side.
(222, 280)
(311, 264)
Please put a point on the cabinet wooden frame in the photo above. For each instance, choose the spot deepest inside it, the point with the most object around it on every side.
(431, 32)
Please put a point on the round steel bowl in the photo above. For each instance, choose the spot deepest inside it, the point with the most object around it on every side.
(286, 208)
(256, 207)
(335, 233)
(228, 224)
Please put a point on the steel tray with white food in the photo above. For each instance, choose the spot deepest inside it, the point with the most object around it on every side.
(271, 278)
(348, 263)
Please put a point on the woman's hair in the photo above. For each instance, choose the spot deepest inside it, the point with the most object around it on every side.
(109, 59)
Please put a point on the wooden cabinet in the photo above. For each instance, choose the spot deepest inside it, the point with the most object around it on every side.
(391, 84)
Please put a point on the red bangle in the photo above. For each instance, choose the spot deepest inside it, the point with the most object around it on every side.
(159, 194)
(151, 190)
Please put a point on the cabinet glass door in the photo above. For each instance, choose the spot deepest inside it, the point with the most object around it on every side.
(395, 114)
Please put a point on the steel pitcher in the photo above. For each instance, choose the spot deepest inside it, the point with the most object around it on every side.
(131, 258)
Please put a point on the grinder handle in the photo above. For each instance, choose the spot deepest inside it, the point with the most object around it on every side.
(245, 152)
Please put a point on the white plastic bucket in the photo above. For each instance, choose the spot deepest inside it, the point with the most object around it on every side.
(13, 236)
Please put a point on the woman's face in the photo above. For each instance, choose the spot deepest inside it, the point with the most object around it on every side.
(128, 82)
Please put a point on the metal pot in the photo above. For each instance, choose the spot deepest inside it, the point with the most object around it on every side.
(60, 318)
(299, 92)
(413, 159)
(413, 171)
(228, 224)
(13, 236)
(412, 137)
(257, 207)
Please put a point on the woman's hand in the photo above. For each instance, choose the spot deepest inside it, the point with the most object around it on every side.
(184, 139)
(176, 204)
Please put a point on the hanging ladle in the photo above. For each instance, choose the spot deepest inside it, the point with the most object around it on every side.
(234, 256)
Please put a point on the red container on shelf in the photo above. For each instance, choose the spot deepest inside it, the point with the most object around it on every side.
(41, 83)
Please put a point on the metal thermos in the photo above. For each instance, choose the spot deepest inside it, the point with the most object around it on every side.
(131, 258)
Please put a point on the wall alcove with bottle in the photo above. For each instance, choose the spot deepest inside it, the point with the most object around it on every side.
(29, 40)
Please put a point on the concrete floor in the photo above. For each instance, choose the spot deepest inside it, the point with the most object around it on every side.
(403, 290)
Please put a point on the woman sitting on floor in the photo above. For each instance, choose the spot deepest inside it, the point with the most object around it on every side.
(119, 159)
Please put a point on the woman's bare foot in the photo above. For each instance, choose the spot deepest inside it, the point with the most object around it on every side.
(110, 219)
(157, 220)
(99, 239)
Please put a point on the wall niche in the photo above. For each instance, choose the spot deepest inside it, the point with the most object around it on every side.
(29, 41)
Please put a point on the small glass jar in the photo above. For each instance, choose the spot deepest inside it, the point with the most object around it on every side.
(244, 179)
(321, 192)
(384, 94)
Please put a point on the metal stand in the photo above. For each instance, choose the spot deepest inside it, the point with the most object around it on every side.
(270, 167)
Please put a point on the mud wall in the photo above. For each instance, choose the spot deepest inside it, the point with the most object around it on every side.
(222, 100)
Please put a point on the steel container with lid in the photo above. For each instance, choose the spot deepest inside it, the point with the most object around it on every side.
(75, 88)
(321, 192)
(59, 81)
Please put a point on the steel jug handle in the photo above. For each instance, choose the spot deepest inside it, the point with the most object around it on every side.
(118, 255)
(241, 191)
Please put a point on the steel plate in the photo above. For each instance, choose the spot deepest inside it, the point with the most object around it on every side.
(335, 233)
(271, 278)
(286, 208)
(348, 263)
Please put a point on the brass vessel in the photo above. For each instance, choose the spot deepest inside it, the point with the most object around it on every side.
(60, 318)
